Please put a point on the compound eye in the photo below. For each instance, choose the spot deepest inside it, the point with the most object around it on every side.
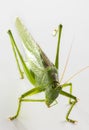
(54, 85)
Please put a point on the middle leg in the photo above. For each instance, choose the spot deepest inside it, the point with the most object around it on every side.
(22, 99)
(68, 85)
(72, 105)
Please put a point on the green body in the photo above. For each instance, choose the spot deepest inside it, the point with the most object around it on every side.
(40, 71)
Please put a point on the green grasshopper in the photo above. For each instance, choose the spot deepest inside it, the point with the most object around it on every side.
(40, 71)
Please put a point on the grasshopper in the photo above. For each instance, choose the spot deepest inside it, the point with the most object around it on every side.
(40, 71)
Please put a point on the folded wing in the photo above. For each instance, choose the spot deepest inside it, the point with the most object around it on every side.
(36, 60)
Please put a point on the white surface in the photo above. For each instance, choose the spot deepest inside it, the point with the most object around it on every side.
(41, 17)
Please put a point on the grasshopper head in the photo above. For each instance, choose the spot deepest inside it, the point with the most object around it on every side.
(51, 94)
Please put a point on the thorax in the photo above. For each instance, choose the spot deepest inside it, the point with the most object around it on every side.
(49, 76)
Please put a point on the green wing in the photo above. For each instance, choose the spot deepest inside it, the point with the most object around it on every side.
(37, 61)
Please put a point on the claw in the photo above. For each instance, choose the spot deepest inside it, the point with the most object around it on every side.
(72, 121)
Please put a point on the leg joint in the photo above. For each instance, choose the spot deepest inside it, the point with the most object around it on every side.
(70, 84)
(20, 98)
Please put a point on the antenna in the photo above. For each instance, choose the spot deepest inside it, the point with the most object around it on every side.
(66, 64)
(75, 74)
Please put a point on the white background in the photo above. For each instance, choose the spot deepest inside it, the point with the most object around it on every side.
(41, 18)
